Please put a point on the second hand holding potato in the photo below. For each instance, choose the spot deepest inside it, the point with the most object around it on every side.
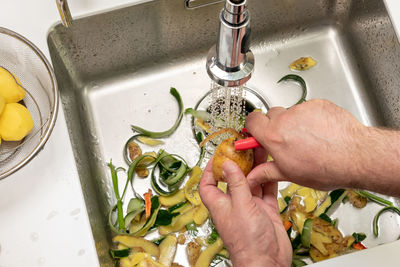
(255, 235)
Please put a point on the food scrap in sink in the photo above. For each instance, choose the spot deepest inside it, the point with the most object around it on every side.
(171, 215)
(303, 63)
(175, 213)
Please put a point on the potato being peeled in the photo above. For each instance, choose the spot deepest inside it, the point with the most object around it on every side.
(226, 151)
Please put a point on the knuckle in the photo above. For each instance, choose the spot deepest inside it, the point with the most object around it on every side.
(268, 173)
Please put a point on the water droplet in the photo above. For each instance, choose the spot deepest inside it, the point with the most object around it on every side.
(41, 261)
(51, 215)
(34, 237)
(81, 252)
(75, 212)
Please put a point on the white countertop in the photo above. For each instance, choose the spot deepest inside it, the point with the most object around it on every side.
(42, 221)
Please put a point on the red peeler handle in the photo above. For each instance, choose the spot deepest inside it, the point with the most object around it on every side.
(247, 143)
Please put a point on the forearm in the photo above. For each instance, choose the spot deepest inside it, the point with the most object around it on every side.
(379, 162)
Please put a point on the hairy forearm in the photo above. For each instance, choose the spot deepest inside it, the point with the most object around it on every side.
(378, 166)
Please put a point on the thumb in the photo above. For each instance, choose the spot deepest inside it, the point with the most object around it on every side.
(265, 173)
(213, 198)
(238, 187)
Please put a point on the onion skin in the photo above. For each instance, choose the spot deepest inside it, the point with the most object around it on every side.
(226, 151)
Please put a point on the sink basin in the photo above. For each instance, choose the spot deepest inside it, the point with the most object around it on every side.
(115, 69)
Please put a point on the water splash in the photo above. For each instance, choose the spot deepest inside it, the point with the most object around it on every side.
(227, 107)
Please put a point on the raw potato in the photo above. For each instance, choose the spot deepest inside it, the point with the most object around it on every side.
(10, 87)
(15, 122)
(2, 104)
(226, 151)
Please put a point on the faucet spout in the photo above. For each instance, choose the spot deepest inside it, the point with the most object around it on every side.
(230, 62)
(65, 13)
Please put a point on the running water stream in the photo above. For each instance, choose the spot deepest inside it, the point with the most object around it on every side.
(227, 107)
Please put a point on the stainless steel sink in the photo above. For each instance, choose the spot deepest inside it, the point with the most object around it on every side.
(114, 69)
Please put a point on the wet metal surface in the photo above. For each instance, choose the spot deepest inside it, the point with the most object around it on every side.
(115, 69)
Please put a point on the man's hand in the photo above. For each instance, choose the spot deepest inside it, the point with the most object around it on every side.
(249, 225)
(321, 145)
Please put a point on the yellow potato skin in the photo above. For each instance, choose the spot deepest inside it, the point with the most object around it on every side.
(15, 122)
(226, 151)
(10, 87)
(2, 104)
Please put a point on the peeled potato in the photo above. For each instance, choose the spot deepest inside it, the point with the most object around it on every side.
(10, 87)
(2, 103)
(226, 151)
(15, 122)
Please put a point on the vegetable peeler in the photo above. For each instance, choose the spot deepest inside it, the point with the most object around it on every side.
(247, 143)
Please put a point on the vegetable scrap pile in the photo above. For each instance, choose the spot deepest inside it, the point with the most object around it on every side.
(172, 208)
(305, 213)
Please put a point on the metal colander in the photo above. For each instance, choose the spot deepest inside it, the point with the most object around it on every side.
(25, 61)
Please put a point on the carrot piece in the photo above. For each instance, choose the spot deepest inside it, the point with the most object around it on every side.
(358, 246)
(287, 225)
(147, 203)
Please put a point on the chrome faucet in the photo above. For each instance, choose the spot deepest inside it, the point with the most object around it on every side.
(230, 62)
(65, 13)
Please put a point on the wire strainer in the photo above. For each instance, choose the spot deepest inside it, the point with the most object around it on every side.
(22, 58)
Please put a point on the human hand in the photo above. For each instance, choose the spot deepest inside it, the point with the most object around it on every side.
(249, 225)
(316, 144)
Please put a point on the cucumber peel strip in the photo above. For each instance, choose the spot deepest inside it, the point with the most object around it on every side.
(173, 182)
(376, 218)
(306, 233)
(297, 78)
(119, 253)
(198, 114)
(170, 131)
(199, 139)
(114, 177)
(374, 198)
(118, 206)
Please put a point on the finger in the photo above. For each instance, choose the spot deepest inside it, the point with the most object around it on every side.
(260, 156)
(270, 192)
(257, 191)
(275, 111)
(237, 184)
(264, 173)
(212, 197)
(257, 124)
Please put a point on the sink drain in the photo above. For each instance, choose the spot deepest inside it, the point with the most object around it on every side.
(252, 100)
